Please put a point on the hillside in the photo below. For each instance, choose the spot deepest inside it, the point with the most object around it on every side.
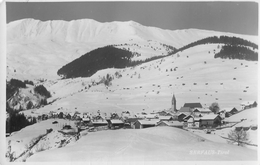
(36, 49)
(151, 144)
(22, 96)
(193, 76)
(98, 59)
(112, 57)
(102, 58)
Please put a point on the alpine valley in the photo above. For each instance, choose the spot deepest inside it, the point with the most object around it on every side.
(85, 69)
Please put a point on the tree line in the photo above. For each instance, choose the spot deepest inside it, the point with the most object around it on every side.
(237, 52)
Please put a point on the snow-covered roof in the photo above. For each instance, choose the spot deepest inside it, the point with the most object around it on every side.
(203, 110)
(187, 117)
(228, 109)
(165, 117)
(99, 121)
(247, 102)
(85, 119)
(209, 117)
(147, 122)
(183, 113)
(116, 121)
(172, 123)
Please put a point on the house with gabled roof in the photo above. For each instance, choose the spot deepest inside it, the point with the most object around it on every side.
(211, 120)
(186, 118)
(129, 121)
(140, 124)
(115, 124)
(190, 122)
(98, 123)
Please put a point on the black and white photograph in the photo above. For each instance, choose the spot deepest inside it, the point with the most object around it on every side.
(130, 81)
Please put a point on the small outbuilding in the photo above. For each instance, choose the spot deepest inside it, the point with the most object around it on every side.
(140, 124)
(115, 124)
(98, 123)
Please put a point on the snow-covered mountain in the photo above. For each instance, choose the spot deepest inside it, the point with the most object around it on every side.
(37, 49)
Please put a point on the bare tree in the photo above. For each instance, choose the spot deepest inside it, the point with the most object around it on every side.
(239, 137)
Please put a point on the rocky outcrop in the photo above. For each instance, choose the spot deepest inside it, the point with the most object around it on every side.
(25, 99)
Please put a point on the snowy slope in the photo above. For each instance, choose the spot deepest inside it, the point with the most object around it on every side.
(150, 86)
(20, 140)
(38, 49)
(151, 144)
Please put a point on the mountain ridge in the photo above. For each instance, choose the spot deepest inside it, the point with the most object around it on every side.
(38, 49)
(90, 30)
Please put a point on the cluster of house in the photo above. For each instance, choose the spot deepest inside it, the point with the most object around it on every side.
(191, 115)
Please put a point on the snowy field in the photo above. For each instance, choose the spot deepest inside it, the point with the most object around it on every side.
(151, 144)
(151, 89)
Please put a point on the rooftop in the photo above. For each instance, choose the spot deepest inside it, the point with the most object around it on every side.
(172, 123)
(116, 121)
(147, 122)
(208, 117)
(193, 105)
(185, 109)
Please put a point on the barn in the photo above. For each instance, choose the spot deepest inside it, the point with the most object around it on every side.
(98, 123)
(131, 121)
(140, 124)
(115, 124)
(211, 120)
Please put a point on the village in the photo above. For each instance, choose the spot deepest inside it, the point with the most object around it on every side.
(189, 116)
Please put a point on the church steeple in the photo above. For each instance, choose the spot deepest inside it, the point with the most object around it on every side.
(174, 103)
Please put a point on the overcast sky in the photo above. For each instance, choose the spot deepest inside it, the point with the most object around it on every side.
(236, 17)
